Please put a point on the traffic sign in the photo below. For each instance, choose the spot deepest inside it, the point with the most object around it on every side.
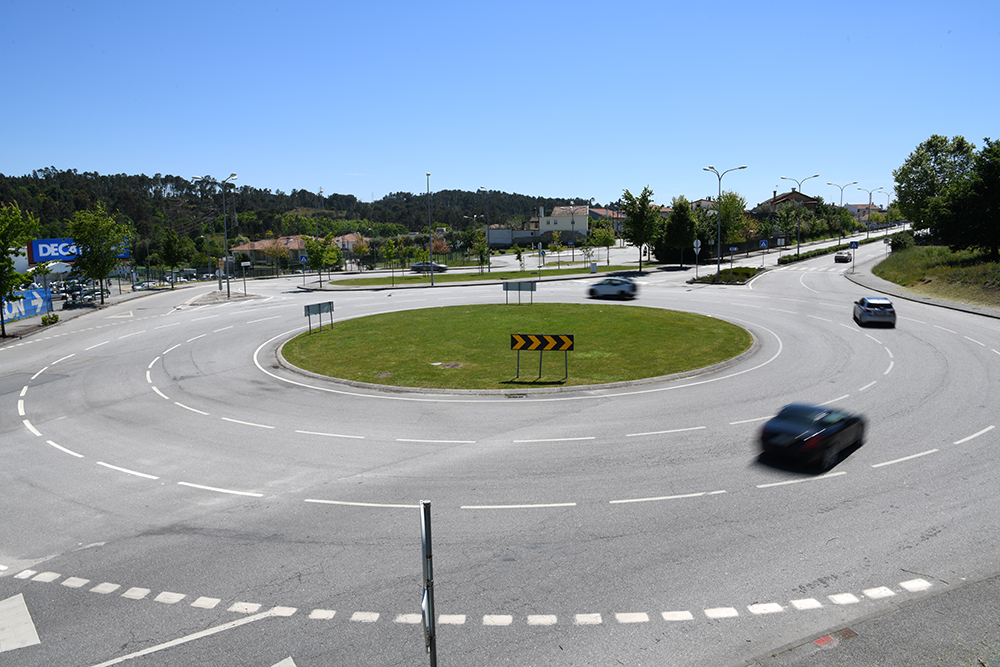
(854, 245)
(763, 243)
(542, 342)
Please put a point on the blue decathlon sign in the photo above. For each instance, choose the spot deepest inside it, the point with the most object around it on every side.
(47, 250)
(35, 302)
(63, 250)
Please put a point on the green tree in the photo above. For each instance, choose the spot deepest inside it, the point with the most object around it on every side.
(678, 231)
(16, 230)
(99, 240)
(967, 213)
(173, 253)
(519, 253)
(390, 252)
(642, 219)
(927, 171)
(556, 247)
(602, 235)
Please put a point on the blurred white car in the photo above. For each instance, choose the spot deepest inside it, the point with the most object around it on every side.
(614, 286)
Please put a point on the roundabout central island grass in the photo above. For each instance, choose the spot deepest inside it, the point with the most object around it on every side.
(468, 347)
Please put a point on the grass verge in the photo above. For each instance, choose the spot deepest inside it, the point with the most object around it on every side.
(408, 278)
(964, 275)
(468, 347)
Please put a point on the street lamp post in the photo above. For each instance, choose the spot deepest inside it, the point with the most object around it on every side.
(572, 233)
(868, 224)
(489, 255)
(798, 222)
(888, 203)
(473, 218)
(840, 227)
(225, 225)
(430, 232)
(718, 214)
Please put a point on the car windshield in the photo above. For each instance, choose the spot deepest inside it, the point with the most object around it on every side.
(807, 414)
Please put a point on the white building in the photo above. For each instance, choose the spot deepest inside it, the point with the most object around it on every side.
(570, 221)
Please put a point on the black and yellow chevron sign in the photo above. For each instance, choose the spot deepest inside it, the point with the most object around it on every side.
(542, 342)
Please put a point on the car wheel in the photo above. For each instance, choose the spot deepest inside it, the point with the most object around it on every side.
(593, 293)
(829, 459)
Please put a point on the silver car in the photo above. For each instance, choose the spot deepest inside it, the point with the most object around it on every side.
(614, 287)
(874, 310)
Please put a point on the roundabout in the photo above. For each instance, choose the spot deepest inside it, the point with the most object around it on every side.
(169, 452)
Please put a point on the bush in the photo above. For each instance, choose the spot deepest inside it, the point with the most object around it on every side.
(49, 318)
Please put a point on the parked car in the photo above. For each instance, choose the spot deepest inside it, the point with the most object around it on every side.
(426, 267)
(811, 434)
(842, 256)
(144, 285)
(874, 310)
(614, 286)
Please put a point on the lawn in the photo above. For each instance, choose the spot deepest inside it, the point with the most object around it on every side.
(963, 275)
(468, 347)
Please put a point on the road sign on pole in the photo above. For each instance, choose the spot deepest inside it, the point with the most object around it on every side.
(427, 599)
(542, 343)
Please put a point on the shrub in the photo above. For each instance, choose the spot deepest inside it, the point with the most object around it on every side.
(49, 318)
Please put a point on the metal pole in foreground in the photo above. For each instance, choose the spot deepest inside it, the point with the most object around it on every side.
(427, 603)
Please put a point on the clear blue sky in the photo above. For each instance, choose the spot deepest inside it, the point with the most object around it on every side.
(550, 99)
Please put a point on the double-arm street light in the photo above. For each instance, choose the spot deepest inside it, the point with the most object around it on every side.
(868, 223)
(798, 224)
(840, 226)
(718, 213)
(225, 226)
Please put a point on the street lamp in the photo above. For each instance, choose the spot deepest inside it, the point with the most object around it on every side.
(840, 227)
(430, 233)
(473, 218)
(225, 226)
(888, 203)
(868, 224)
(572, 226)
(798, 222)
(489, 256)
(718, 213)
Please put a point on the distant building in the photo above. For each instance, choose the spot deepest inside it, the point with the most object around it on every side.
(777, 200)
(294, 245)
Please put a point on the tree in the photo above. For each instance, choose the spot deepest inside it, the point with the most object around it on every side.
(16, 230)
(642, 219)
(276, 251)
(967, 213)
(927, 171)
(679, 230)
(172, 255)
(555, 247)
(391, 252)
(519, 254)
(480, 249)
(602, 235)
(99, 240)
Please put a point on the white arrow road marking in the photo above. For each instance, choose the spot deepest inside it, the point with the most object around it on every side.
(287, 662)
(17, 630)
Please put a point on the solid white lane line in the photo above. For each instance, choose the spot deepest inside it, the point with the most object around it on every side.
(39, 372)
(162, 395)
(516, 507)
(152, 362)
(676, 430)
(677, 497)
(557, 439)
(840, 398)
(195, 338)
(905, 458)
(134, 333)
(439, 442)
(351, 504)
(207, 317)
(171, 349)
(237, 421)
(127, 471)
(943, 329)
(869, 385)
(189, 408)
(747, 421)
(31, 428)
(974, 341)
(891, 364)
(799, 481)
(332, 435)
(63, 359)
(873, 338)
(63, 449)
(974, 435)
(223, 329)
(20, 407)
(218, 490)
(24, 390)
(149, 378)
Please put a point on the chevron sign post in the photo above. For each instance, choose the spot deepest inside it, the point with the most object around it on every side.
(542, 343)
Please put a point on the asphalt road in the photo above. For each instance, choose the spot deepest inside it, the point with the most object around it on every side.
(173, 495)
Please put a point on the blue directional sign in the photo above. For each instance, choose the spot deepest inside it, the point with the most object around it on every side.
(35, 302)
